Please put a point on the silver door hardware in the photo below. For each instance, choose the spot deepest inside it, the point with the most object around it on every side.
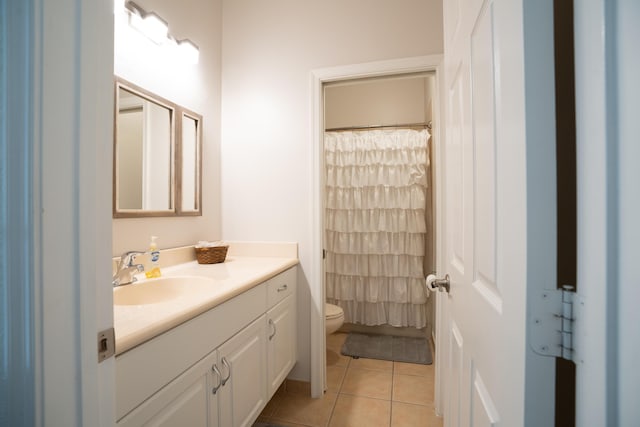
(272, 323)
(216, 372)
(552, 322)
(226, 364)
(106, 344)
(441, 284)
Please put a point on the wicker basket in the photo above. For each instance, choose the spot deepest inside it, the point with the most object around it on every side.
(213, 255)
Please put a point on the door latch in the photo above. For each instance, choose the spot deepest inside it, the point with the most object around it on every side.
(106, 344)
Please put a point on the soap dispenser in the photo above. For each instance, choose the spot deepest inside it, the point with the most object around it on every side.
(154, 271)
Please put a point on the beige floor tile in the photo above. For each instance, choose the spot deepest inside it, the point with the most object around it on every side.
(378, 365)
(335, 375)
(334, 358)
(353, 411)
(413, 369)
(413, 389)
(367, 383)
(409, 415)
(302, 409)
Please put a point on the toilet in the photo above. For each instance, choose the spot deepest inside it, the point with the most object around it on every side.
(333, 318)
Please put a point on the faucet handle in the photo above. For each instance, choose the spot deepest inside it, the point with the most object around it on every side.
(127, 258)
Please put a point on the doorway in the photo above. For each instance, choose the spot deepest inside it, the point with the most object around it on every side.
(401, 67)
(378, 231)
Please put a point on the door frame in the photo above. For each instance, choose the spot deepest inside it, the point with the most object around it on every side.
(607, 89)
(317, 78)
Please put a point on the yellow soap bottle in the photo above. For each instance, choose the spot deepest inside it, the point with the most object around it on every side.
(154, 271)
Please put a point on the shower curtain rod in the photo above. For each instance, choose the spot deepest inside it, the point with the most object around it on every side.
(406, 125)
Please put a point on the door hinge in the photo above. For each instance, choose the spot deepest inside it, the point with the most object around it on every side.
(552, 323)
(106, 344)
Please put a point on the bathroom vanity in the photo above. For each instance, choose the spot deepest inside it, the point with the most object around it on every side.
(213, 356)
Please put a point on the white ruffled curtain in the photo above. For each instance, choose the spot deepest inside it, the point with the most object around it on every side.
(375, 225)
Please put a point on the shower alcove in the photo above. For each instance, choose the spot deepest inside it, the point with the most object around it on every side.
(378, 228)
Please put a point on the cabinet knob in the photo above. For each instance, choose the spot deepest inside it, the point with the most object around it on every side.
(282, 288)
(216, 372)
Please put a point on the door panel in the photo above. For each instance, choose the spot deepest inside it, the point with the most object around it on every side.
(244, 362)
(189, 408)
(484, 411)
(489, 214)
(484, 148)
(455, 173)
(452, 416)
(281, 342)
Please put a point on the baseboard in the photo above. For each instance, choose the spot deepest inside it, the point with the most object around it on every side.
(296, 386)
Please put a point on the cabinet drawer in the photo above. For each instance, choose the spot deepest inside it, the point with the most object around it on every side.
(281, 286)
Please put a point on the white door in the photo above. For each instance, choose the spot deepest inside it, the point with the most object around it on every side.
(499, 216)
(59, 68)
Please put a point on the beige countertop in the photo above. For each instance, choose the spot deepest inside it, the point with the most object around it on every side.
(135, 324)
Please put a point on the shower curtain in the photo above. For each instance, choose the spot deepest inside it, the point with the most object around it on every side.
(375, 225)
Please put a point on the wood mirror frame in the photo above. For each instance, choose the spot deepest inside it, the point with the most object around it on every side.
(176, 186)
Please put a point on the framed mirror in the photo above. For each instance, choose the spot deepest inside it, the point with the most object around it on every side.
(190, 163)
(157, 155)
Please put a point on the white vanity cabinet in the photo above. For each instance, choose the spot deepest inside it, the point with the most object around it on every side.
(219, 368)
(243, 364)
(186, 401)
(281, 327)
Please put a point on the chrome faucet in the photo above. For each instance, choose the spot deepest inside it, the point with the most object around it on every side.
(126, 270)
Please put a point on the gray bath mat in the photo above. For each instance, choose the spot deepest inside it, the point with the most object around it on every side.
(388, 347)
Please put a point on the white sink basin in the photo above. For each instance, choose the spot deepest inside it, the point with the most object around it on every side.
(163, 289)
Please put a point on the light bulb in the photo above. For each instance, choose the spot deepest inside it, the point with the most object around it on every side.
(155, 28)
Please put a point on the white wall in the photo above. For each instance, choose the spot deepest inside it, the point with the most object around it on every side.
(194, 87)
(269, 49)
(378, 101)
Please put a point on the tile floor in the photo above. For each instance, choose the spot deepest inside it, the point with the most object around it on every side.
(360, 392)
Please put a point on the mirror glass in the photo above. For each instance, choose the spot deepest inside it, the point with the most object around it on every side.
(144, 154)
(190, 163)
(157, 155)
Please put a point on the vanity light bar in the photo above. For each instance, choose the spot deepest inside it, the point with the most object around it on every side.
(151, 25)
(157, 30)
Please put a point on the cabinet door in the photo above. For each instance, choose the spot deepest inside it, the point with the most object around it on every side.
(243, 363)
(281, 342)
(185, 401)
